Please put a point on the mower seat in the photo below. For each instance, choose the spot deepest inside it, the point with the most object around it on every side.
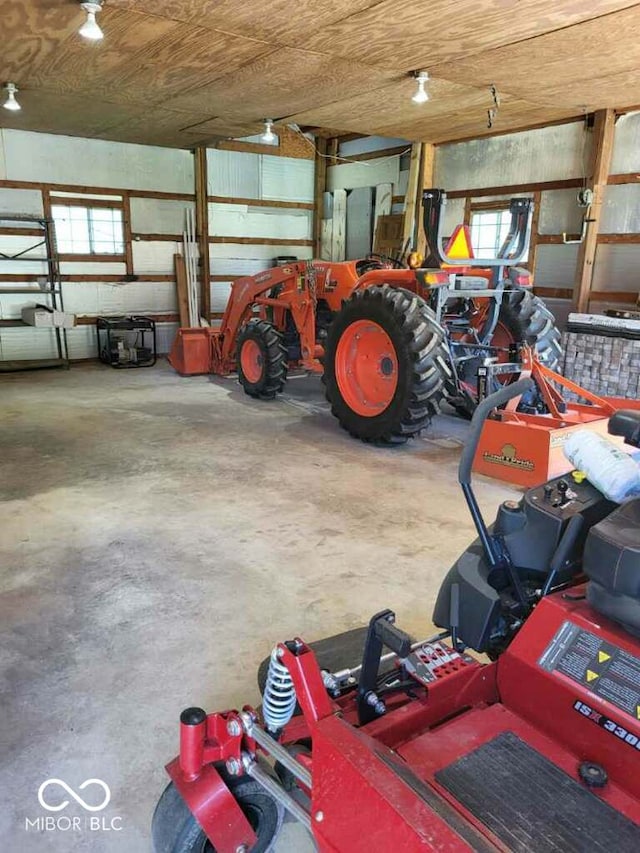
(612, 564)
(626, 423)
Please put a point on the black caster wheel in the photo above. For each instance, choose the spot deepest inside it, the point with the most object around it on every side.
(175, 830)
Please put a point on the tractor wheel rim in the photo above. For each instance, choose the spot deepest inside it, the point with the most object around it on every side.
(366, 368)
(251, 361)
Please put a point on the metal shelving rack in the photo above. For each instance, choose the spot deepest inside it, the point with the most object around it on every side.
(16, 224)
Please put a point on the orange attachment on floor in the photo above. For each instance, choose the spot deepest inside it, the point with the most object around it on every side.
(191, 351)
(527, 449)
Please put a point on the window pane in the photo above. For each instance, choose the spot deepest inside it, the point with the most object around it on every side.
(85, 231)
(72, 229)
(106, 231)
(489, 230)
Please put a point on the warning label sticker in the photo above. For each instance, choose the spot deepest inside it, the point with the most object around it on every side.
(606, 670)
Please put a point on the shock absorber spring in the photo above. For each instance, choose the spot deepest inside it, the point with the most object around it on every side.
(279, 697)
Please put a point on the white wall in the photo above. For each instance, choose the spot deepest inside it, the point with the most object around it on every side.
(554, 154)
(259, 177)
(93, 162)
(36, 157)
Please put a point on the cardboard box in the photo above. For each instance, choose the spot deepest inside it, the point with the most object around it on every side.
(34, 316)
(41, 318)
(64, 319)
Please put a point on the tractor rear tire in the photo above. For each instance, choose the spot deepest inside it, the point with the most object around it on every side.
(386, 365)
(174, 829)
(523, 318)
(529, 320)
(262, 359)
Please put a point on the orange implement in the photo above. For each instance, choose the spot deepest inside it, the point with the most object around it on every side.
(527, 449)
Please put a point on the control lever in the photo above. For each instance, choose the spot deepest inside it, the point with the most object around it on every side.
(382, 632)
(563, 550)
(563, 488)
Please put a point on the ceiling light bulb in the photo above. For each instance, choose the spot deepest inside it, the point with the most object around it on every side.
(421, 96)
(11, 103)
(91, 29)
(268, 135)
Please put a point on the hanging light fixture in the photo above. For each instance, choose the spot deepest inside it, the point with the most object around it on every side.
(91, 29)
(11, 103)
(421, 95)
(268, 135)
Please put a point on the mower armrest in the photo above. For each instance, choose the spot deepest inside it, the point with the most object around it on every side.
(626, 423)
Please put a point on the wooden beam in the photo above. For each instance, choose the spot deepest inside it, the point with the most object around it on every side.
(332, 151)
(629, 178)
(376, 155)
(619, 238)
(91, 190)
(128, 236)
(202, 228)
(319, 187)
(603, 131)
(72, 257)
(93, 277)
(628, 297)
(553, 292)
(425, 182)
(21, 232)
(498, 204)
(467, 211)
(410, 197)
(262, 202)
(506, 189)
(555, 239)
(182, 292)
(157, 238)
(261, 241)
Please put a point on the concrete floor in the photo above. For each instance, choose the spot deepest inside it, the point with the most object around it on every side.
(157, 536)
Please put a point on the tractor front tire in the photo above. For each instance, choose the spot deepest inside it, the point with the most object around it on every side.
(529, 320)
(386, 365)
(174, 829)
(262, 359)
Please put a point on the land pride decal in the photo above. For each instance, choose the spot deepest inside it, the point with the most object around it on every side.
(509, 456)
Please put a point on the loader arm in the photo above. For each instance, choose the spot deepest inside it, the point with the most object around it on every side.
(250, 292)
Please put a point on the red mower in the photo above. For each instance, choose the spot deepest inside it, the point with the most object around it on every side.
(426, 748)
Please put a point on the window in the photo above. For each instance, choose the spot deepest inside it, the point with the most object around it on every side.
(88, 230)
(489, 229)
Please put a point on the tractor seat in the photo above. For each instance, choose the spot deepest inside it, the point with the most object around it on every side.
(612, 564)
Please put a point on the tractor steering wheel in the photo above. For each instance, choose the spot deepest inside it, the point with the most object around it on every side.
(386, 259)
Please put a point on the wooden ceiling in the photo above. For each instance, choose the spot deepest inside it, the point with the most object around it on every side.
(188, 72)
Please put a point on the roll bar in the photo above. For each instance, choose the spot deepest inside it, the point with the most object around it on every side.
(512, 251)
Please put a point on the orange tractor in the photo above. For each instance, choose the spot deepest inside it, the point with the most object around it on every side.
(391, 342)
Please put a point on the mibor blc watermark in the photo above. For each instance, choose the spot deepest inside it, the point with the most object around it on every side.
(74, 813)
